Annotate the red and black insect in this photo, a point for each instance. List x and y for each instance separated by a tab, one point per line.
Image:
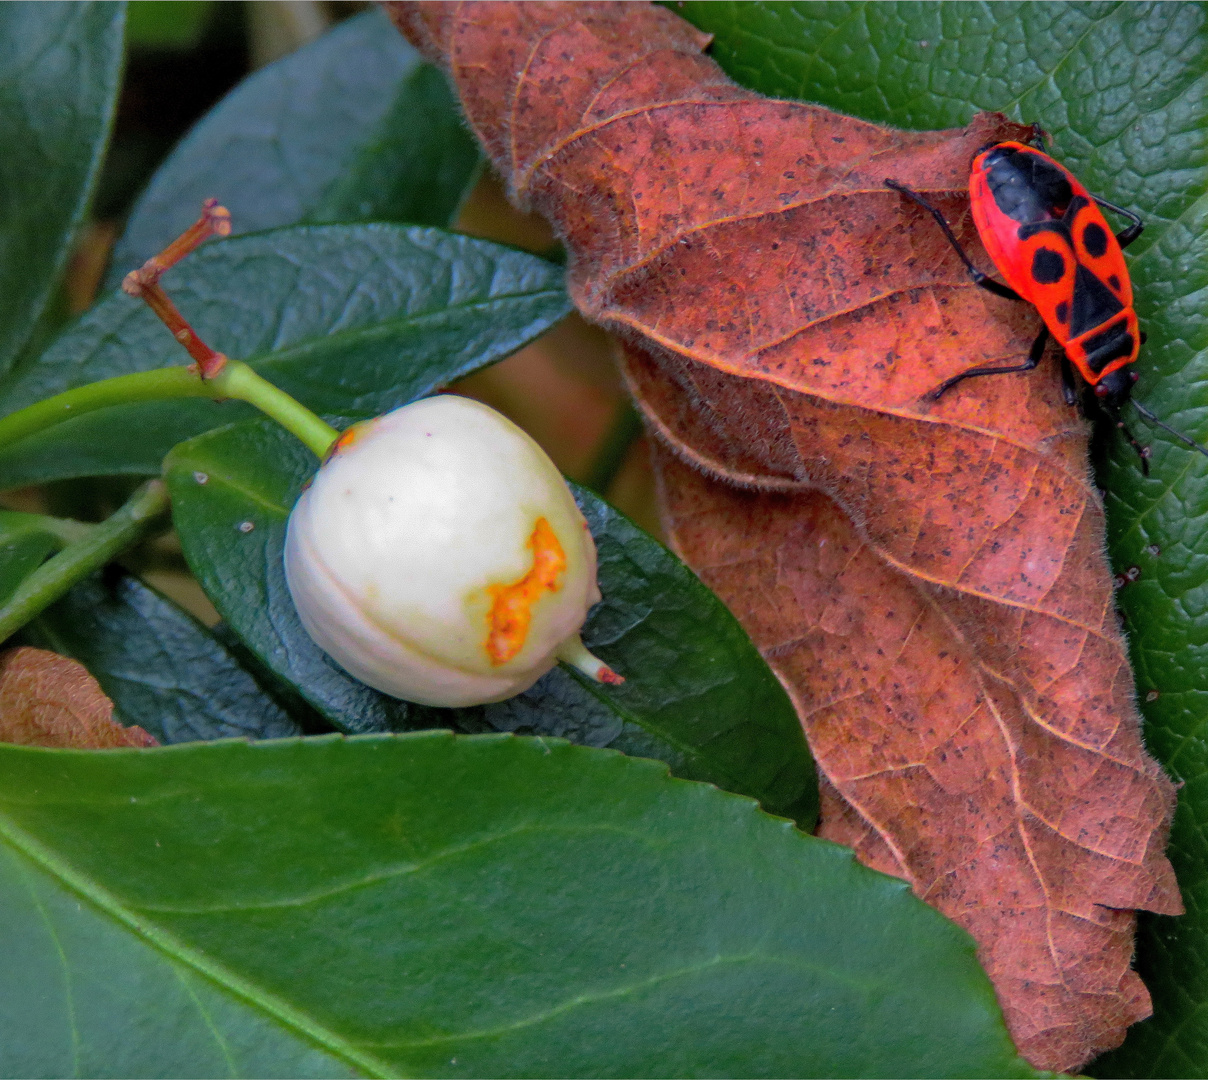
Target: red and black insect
1047	236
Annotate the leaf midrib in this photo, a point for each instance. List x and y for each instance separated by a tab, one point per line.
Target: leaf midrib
167	943
420	320
68	982
271	358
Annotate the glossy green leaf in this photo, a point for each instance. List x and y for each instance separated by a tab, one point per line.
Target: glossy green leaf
432	905
118	1008
350	319
60	65
419	165
352	127
1123	89
697	695
163	670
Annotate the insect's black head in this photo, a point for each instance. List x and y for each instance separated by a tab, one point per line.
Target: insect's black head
1116	387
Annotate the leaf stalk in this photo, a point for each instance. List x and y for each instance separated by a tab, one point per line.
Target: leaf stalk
64	530
81	557
158	385
236	380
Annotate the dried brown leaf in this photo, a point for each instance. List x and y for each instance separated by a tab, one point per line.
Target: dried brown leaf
49	700
928	578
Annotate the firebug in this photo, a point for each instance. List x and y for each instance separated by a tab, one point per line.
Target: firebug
1047	236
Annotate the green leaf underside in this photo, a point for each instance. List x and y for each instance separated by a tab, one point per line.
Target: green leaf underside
1123	89
60	65
697	695
352	320
447	906
162	668
353	127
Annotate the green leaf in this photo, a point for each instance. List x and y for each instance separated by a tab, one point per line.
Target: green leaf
1123	89
126	440
24	544
446	906
352	127
162	668
697	695
1158	526
418	167
81	995
350	319
1120	88
60	65
167	24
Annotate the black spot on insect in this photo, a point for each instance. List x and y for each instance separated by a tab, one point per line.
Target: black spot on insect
1062	311
1048	266
1094	238
1114	282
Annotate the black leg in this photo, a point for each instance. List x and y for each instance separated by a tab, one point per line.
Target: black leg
1142	451
984	280
1069	381
1034	355
1125	236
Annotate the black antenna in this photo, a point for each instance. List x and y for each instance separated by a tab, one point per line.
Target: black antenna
1166	427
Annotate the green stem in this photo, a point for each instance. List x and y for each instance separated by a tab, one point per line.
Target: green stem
80	558
64	530
173	382
235	380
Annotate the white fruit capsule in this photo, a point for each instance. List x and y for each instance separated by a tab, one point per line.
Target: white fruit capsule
439	557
